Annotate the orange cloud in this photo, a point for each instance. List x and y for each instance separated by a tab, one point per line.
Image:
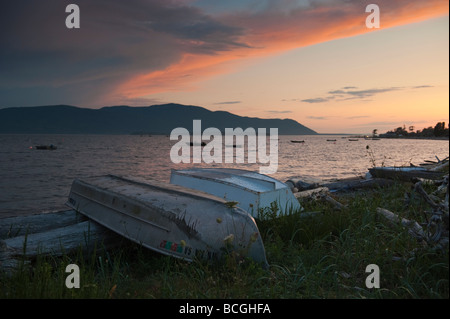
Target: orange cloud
179	76
268	33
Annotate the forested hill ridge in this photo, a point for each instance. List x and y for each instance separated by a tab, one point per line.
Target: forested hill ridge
156	119
438	131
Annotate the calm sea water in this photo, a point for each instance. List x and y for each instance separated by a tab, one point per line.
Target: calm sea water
33	181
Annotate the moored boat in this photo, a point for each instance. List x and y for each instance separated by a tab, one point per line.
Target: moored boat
197	144
169	219
46	147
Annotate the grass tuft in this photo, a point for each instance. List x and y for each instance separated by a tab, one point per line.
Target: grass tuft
322	255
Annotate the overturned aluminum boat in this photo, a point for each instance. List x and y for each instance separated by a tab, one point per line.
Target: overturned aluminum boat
252	191
168	219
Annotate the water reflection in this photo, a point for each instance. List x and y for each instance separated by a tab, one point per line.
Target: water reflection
35	180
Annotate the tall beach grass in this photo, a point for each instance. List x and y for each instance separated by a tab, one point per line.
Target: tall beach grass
323	255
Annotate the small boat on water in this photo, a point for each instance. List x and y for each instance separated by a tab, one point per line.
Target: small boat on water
251	191
331	140
353	139
234	145
297	141
169	219
46	147
197	144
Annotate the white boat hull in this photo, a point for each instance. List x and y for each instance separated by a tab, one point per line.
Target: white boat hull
168	219
253	191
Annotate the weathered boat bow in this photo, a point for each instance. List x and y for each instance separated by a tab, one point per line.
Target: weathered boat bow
168	219
252	191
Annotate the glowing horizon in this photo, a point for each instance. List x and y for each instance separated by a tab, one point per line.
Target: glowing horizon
316	63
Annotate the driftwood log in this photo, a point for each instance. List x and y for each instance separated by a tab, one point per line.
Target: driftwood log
436	232
401	174
56	234
353	184
335	203
320	193
440	166
312	192
414	229
342	185
440	210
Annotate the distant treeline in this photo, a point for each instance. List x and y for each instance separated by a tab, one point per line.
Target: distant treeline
439	130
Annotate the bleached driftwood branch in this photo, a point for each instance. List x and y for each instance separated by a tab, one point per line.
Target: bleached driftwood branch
334	202
414	229
312	192
320	193
436	232
439	210
439	167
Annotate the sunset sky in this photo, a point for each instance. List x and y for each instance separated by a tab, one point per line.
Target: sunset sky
312	61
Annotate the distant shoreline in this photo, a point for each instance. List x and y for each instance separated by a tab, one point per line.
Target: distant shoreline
318	134
443	138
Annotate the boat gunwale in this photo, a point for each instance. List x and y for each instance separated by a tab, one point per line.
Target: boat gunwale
115	209
225	182
174	188
180	190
